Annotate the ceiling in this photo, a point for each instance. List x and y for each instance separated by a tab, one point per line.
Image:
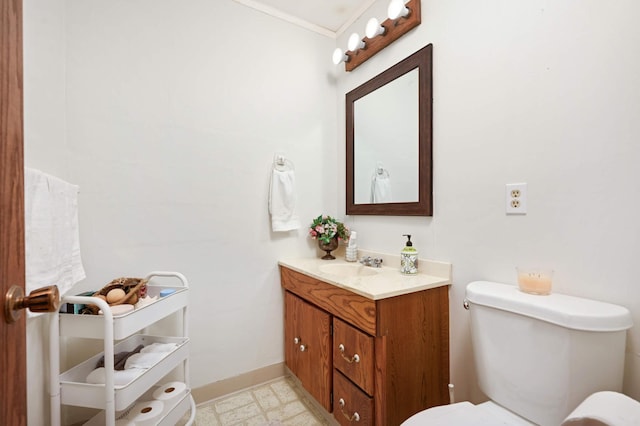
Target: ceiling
327	17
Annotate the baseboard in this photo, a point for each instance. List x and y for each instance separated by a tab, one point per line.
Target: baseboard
233	384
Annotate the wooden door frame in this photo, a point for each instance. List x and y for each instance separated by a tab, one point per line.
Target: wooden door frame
13	363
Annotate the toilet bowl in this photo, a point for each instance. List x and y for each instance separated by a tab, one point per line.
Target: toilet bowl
542	360
600	409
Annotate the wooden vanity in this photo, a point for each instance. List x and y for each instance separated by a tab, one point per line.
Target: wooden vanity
370	359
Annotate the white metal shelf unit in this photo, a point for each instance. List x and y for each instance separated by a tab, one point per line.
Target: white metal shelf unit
66	389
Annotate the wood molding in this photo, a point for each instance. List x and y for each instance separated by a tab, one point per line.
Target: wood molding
394	29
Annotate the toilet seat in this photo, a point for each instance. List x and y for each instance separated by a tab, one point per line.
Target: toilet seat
466	414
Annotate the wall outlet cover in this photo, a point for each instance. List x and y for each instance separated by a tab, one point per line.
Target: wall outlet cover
516	198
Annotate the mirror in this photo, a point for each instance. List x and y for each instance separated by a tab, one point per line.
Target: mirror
389	141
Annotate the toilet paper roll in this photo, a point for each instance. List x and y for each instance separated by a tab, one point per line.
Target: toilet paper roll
125	422
146	413
170	392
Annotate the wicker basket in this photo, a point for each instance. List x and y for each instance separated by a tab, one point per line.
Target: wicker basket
133	287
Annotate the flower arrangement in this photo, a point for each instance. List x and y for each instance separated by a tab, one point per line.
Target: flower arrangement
325	228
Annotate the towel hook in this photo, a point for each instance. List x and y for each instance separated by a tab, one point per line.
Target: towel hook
282	163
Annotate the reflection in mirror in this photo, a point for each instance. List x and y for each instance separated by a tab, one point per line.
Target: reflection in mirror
385	148
389	168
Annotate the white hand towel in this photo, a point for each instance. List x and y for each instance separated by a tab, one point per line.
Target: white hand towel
282	201
120	377
52	241
146	360
380	189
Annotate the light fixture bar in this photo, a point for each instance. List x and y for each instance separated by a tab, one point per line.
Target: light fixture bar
394	29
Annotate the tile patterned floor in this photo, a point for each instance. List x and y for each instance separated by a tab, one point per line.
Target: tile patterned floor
273	403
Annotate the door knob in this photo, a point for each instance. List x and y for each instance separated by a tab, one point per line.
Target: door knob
45	299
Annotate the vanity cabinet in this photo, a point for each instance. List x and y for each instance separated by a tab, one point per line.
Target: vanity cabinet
382	360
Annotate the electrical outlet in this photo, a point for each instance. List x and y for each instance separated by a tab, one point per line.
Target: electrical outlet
516	198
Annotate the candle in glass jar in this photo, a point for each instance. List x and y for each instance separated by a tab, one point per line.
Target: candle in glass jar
534	281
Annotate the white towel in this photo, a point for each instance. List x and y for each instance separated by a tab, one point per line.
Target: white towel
282	201
52	243
380	189
146	360
120	377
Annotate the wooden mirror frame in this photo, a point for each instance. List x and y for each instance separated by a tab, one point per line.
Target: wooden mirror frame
422	60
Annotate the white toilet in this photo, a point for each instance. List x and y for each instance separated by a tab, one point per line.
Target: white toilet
538	358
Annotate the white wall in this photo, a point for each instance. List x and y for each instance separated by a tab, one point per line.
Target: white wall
540	92
174	111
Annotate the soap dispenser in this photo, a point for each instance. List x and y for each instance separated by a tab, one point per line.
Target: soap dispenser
409	258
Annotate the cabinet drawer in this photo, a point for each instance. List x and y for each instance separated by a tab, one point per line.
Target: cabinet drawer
350	404
353	354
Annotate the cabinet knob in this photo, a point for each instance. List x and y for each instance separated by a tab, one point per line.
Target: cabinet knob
296	340
355	358
353	418
303	348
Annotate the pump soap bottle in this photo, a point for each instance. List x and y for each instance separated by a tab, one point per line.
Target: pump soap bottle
409	258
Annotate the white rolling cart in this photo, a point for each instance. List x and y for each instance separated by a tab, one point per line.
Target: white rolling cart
122	333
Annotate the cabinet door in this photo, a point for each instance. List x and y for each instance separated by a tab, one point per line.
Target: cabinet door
308	347
291	337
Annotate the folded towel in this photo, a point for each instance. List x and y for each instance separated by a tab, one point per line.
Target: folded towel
52	241
605	408
159	347
120	358
120	378
146	360
282	201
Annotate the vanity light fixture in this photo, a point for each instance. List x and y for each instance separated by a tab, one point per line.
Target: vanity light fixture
355	43
404	15
398	9
339	56
374	28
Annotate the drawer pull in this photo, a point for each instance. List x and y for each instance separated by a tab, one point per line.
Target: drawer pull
296	340
355	358
303	348
354	418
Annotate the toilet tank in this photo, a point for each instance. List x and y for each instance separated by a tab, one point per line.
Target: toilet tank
540	356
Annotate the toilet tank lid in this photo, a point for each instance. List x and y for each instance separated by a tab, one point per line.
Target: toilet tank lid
567	311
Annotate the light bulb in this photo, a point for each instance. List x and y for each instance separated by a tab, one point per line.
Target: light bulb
339	56
354	42
374	28
397	9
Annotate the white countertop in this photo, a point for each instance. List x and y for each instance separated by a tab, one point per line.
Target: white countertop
384	282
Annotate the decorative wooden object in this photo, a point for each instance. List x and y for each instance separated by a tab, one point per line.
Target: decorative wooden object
394	29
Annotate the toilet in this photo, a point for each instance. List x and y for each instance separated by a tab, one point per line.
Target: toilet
542	360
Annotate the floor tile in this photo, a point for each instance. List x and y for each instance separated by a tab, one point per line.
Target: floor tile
275	403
